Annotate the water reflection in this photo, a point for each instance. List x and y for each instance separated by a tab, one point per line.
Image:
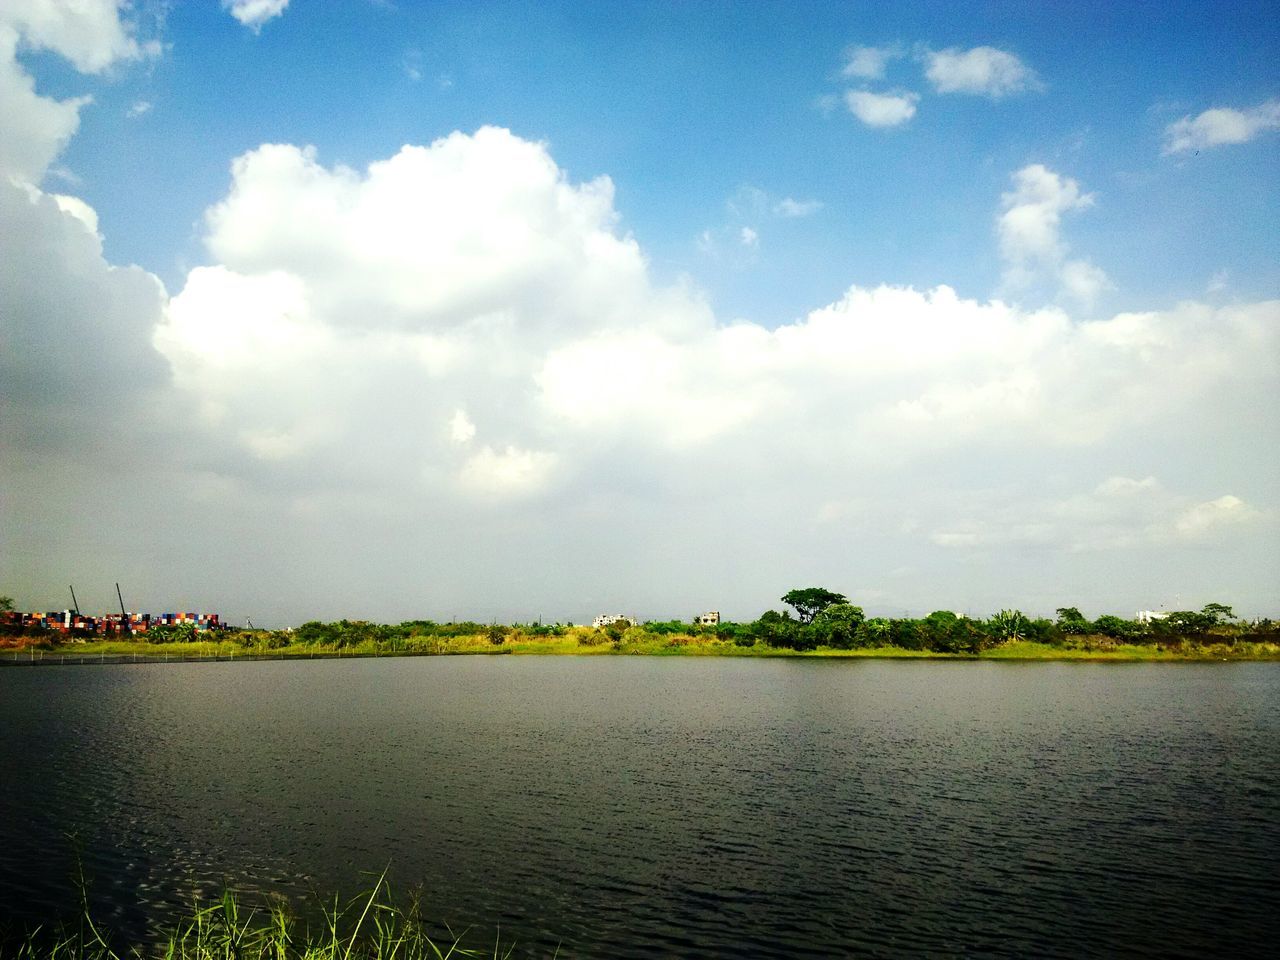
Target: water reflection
638	806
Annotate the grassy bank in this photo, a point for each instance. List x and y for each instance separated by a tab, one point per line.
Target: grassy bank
374	926
584	641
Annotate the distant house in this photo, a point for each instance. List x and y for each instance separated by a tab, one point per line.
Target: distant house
709	619
607	619
1146	616
73	622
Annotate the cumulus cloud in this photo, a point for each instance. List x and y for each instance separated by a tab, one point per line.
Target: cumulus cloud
983	71
1221	125
91	37
881	109
1029	229
88	33
869	63
254	13
459	355
472	275
77	360
1214	516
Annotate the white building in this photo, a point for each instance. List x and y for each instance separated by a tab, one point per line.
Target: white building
1146	616
605	619
709	619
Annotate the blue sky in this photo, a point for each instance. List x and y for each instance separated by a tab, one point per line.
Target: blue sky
683	105
727	205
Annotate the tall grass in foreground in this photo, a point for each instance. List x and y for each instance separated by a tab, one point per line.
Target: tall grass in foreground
374	926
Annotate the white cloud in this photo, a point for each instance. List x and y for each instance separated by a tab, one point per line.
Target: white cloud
1221	125
355	327
77	363
80	210
984	71
88	33
881	109
33	129
748	208
1029	229
254	13
138	108
91	37
506	473
1082	281
1121	513
461	428
787	207
1208	518
869	63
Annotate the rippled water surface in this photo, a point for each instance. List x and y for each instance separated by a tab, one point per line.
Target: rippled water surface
637	807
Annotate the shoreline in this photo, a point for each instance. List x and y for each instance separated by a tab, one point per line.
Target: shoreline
124	652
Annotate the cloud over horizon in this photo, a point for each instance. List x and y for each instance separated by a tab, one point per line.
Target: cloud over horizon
538	356
453	379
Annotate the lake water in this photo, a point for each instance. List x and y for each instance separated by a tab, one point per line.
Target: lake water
639	807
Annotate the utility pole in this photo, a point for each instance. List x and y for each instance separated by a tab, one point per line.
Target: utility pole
124	617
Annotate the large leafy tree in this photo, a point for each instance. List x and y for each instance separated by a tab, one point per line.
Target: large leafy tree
838	624
811	601
1219	611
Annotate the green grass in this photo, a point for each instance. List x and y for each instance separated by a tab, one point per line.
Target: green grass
584	641
373	926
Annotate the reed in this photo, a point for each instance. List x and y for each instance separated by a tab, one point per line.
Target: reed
373	926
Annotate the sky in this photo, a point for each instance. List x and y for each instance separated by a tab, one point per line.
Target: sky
493	311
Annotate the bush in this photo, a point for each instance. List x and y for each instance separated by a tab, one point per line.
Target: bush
776	629
1117	628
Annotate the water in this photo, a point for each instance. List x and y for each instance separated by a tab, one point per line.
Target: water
639	807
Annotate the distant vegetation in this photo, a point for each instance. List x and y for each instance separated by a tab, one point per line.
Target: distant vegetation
818	621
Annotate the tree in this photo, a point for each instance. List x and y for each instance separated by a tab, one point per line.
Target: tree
6	604
1184	623
497	634
1072	622
837	625
1115	627
1009	625
1219	611
776	629
811	601
876	632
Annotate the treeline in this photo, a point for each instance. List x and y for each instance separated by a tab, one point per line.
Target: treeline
814	618
826	619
